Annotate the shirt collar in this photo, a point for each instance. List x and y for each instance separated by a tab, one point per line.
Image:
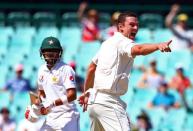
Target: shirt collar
122	36
54	67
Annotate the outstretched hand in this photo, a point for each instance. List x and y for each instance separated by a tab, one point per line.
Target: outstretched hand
175	8
165	46
83	5
83	100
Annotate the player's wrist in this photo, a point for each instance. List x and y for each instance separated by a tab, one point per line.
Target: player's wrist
52	105
88	91
48	104
158	46
64	99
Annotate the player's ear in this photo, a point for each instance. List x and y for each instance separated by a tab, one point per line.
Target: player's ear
120	27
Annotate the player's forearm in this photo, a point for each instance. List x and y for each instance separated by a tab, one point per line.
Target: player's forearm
69	97
81	9
80	14
144	49
89	81
71	94
59	101
169	18
41	95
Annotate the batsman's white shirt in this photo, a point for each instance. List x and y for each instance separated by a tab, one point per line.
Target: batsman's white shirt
114	62
55	82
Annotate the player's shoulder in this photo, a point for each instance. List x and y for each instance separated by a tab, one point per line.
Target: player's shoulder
42	68
65	67
108	42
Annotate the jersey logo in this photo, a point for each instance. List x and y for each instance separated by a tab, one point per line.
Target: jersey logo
54	79
71	78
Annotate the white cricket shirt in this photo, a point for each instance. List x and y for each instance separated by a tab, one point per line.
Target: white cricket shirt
55	82
114	62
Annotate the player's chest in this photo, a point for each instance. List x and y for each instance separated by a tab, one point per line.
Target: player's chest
54	78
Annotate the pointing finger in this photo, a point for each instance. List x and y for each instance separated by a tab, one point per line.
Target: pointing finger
169	42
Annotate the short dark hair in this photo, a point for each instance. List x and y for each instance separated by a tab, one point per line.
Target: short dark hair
180	69
122	16
4	110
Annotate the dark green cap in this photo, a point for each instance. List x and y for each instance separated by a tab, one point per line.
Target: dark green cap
51	43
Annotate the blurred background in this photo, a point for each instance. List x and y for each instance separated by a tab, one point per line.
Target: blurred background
160	93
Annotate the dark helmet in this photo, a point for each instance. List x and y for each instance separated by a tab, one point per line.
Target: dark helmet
51	43
51	47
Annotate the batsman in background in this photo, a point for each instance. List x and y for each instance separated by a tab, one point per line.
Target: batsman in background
56	89
108	75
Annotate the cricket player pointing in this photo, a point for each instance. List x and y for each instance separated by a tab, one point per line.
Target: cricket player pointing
108	75
57	89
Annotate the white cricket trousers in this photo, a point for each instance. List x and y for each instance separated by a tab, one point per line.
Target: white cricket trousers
64	124
108	113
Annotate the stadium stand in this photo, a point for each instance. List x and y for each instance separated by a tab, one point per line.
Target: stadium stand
70	19
18	19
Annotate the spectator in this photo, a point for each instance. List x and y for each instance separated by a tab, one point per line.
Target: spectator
18	84
113	28
90	31
180	82
164	99
6	124
143	122
79	79
183	38
151	77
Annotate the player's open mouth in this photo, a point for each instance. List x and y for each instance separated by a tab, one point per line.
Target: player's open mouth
133	34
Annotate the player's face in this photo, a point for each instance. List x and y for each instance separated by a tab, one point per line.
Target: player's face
19	73
162	89
51	57
130	27
182	24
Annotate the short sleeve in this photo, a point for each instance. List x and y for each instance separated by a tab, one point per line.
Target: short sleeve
69	81
126	46
95	58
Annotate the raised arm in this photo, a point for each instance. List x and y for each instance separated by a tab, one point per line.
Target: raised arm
82	9
145	49
169	18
